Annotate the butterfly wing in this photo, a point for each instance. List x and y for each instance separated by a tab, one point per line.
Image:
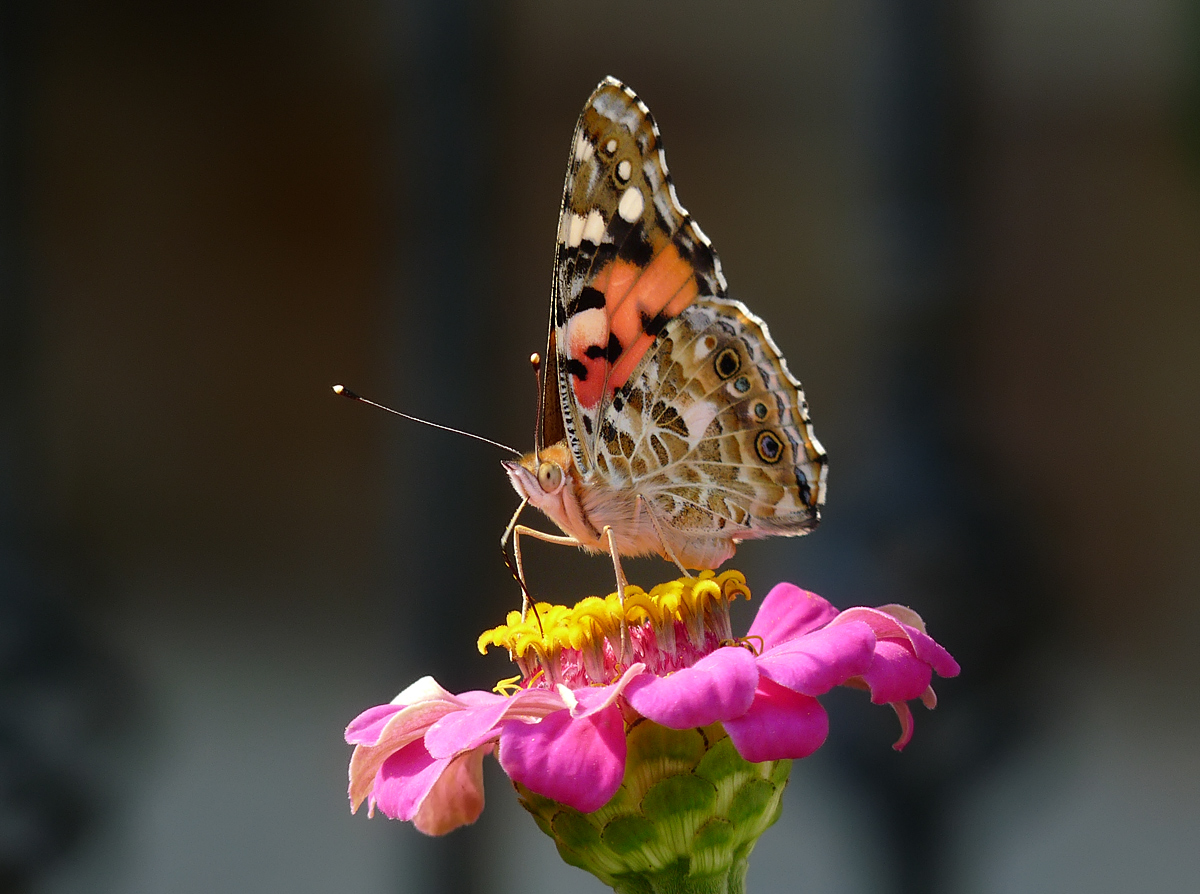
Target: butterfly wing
713	433
628	259
670	394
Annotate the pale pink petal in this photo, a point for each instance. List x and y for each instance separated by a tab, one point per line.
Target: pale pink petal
578	761
906	724
409	723
789	612
816	662
896	675
456	798
717	687
592	699
904	615
426	689
884	624
404	779
367	727
406	725
469	728
780	724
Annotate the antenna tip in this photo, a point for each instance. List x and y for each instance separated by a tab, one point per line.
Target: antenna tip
338	389
345	392
535	360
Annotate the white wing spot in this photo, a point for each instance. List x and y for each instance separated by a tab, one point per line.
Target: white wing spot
624	170
696	417
583	148
588	327
632	204
610	147
593	229
576	231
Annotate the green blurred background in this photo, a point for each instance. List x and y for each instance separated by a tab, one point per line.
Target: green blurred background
974	229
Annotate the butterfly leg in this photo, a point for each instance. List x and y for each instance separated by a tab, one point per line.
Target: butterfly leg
517	571
609	537
670	554
517	531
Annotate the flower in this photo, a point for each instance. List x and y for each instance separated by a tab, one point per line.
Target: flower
593	674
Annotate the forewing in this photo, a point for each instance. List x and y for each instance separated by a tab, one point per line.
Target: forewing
628	261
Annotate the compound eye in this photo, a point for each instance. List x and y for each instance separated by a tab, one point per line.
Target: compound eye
550	477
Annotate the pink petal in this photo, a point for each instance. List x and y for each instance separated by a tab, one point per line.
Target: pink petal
578	761
906	724
474	698
789	612
469	728
780	724
934	654
816	662
456	798
915	642
717	687
366	728
887	626
896	675
404	780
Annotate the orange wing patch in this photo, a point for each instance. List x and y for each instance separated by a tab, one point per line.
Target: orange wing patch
662	291
607	344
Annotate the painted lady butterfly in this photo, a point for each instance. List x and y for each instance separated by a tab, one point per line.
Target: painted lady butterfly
668	422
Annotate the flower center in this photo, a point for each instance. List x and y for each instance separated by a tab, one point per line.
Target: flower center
670	628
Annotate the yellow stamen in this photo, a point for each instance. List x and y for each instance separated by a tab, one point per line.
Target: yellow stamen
756	648
686	600
507	686
745	642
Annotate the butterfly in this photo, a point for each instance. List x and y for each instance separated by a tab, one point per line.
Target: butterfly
668	422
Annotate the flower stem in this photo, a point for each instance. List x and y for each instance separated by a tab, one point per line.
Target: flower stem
677	880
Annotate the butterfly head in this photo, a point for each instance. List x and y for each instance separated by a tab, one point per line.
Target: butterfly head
542	479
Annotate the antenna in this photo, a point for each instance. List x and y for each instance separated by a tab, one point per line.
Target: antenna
346	392
535	360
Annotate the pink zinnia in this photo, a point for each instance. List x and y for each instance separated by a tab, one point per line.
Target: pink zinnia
592	673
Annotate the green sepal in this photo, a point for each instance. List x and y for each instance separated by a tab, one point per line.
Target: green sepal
684	821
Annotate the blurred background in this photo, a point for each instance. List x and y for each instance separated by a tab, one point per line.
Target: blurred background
974	229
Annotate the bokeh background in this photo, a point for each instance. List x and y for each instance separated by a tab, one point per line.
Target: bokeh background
973	227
